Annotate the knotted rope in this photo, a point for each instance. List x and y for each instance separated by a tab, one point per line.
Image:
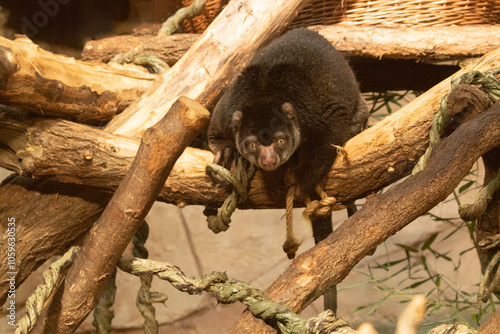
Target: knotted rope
219	220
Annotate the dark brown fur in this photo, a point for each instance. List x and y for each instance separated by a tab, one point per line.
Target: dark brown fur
298	91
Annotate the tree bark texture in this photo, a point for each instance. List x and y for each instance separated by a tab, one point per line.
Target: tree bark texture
329	262
169	48
36	205
53	85
160	147
422	43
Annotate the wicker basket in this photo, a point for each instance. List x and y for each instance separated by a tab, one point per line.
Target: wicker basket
201	22
400	12
375	12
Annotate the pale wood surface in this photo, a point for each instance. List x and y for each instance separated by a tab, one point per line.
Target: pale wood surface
54	85
425	43
398	42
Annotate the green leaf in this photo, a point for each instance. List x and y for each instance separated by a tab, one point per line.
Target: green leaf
408	248
419	283
387	265
435	309
429	241
465	187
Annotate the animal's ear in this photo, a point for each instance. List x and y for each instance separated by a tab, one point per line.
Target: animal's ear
288	109
236	120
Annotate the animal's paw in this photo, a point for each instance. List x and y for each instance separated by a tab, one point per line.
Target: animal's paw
224	153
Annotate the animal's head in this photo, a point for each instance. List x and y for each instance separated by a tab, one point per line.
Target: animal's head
266	134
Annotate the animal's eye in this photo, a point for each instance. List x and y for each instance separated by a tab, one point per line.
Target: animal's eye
281	141
252	146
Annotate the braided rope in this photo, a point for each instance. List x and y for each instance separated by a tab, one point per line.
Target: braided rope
219	220
103	312
35	302
441	118
470	212
291	244
490	280
146	297
229	291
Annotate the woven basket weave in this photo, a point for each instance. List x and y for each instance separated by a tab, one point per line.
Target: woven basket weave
375	12
201	22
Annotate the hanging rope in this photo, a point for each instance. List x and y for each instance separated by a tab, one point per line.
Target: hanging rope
470	212
35	302
291	244
490	280
146	297
439	121
219	220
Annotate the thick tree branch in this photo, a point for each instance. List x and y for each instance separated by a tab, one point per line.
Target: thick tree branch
425	43
160	147
169	48
54	85
328	263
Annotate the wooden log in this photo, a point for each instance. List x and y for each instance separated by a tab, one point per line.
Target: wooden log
53	85
422	43
216	57
63	151
330	261
169	48
160	147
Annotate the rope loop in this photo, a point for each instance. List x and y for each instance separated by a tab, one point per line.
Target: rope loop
441	118
219	220
322	207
